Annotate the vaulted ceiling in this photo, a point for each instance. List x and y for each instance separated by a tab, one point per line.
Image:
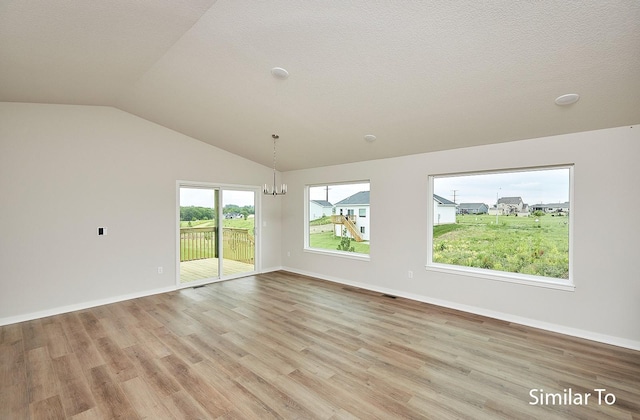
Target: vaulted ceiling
419	75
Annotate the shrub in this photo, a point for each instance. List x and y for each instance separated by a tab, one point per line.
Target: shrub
345	243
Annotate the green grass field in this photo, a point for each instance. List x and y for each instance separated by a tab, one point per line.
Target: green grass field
321	221
230	223
327	240
514	244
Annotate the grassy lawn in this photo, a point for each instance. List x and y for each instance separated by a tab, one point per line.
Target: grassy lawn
515	244
321	221
327	240
230	223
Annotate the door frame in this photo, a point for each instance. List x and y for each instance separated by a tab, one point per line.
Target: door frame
257	230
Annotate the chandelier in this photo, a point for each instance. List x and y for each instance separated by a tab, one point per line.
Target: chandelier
283	187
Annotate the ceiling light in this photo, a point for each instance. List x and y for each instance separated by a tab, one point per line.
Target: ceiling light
370	138
279	73
568	99
283	187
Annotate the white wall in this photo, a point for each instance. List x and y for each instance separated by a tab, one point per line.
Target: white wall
605	305
443	214
316	211
65	170
364	222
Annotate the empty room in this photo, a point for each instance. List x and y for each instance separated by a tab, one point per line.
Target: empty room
319	210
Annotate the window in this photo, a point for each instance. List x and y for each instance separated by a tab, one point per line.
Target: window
334	221
506	225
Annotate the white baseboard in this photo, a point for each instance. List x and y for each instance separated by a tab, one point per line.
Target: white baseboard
574	332
80	306
547	326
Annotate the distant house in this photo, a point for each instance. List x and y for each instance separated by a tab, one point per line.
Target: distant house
319	208
444	211
510	205
473	208
552	207
353	216
233	216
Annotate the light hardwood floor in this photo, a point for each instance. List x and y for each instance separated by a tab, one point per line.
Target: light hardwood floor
280	345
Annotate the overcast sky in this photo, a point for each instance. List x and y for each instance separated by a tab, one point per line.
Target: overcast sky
336	192
535	187
203	197
539	186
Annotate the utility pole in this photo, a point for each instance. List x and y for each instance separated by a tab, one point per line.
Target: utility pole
497	205
454	195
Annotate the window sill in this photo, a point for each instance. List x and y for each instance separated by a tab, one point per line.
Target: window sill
341	254
529	280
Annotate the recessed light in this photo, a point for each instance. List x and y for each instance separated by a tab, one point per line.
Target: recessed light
568	99
279	73
370	138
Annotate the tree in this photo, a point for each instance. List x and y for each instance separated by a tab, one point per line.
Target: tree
192	213
234	208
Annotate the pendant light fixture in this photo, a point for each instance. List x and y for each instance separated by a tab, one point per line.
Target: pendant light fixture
283	187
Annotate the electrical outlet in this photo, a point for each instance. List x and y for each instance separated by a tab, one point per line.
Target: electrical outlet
288	253
160	270
410	274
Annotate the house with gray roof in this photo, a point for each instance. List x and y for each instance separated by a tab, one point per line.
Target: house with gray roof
444	211
473	208
510	205
357	216
319	208
552	207
360	198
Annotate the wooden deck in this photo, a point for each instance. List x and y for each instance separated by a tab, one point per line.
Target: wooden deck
208	268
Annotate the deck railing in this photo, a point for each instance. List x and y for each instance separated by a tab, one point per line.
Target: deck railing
339	218
198	243
349	222
238	245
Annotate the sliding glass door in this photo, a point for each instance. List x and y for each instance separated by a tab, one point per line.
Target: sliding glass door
238	234
199	250
216	236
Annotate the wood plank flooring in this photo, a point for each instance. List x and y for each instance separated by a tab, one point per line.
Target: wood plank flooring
280	345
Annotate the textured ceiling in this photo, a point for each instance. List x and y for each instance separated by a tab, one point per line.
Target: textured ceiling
421	76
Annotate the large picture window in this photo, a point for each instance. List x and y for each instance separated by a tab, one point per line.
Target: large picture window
507	225
338	218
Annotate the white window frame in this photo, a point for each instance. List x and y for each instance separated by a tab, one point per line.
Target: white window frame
334	253
487	274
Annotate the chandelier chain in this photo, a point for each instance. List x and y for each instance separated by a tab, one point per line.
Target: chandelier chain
274	154
274	189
